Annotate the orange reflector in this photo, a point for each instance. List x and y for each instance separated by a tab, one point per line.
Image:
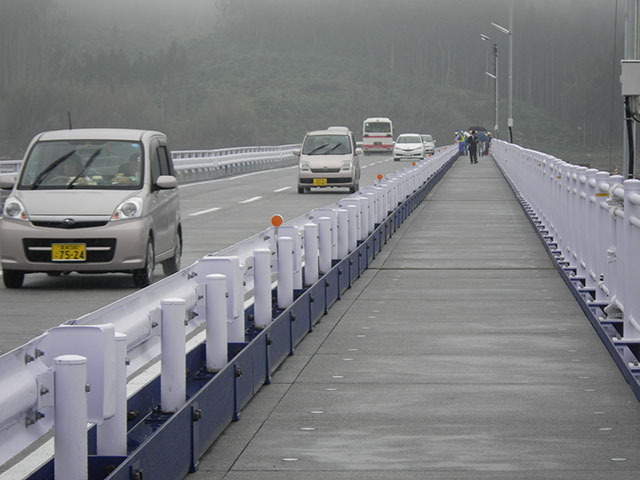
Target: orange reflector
414	164
277	220
380	177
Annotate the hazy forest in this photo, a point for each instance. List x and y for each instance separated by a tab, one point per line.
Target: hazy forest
217	73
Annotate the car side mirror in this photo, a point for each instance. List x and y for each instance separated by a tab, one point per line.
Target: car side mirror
166	182
8	181
296	152
359	151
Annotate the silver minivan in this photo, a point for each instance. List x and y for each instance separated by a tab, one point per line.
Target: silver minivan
329	158
92	201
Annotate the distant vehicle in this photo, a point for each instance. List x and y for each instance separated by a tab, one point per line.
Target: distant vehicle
377	135
429	144
92	201
409	146
329	158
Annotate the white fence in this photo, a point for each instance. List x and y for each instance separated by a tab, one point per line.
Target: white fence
27	386
592	219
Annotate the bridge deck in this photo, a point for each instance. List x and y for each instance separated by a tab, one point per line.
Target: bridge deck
460	354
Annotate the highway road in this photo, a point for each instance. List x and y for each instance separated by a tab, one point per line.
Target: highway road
215	215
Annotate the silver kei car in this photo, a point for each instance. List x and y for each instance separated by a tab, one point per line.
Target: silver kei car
92	201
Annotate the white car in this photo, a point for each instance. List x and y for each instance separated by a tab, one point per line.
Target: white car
329	158
92	201
429	144
408	146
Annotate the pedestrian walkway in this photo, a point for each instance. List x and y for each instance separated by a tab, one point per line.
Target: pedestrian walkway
460	354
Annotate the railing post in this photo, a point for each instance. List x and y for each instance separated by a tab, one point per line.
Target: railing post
70	418
343	233
324	234
112	433
353	227
217	333
293	232
285	272
173	382
631	279
263	304
310	253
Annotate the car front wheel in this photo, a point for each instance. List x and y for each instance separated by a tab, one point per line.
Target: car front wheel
12	278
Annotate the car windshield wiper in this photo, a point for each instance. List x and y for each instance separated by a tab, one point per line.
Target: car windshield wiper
39	179
84	169
333	148
318	148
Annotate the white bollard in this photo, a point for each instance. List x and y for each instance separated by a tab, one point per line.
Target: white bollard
372	211
112	433
353	227
293	232
173	381
324	235
310	253
70	418
364	217
217	349
343	233
263	305
285	272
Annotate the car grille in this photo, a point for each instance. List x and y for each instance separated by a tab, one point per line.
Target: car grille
98	249
68	226
325	170
330	181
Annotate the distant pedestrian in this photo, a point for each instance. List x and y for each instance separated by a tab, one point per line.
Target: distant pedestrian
472	145
487	144
461	143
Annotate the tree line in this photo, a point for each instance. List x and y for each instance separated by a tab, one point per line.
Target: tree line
268	70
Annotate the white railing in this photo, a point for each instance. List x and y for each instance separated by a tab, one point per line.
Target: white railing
188	297
592	219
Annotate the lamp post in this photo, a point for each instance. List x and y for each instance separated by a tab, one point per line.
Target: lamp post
509	32
494	76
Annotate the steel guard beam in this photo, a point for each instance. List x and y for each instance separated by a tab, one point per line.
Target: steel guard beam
622	354
168	446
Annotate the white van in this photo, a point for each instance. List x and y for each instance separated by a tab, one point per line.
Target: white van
329	158
92	201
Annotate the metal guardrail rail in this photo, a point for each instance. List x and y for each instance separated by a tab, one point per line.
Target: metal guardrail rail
350	232
589	221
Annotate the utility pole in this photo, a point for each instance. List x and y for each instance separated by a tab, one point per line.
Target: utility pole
510	120
496	128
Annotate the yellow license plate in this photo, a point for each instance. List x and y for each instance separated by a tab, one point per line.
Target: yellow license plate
69	252
319	182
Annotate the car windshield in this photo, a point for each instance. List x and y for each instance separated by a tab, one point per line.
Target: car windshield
427	138
409	139
326	145
377	127
95	164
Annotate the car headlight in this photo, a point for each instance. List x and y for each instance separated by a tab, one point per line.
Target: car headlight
345	165
131	208
305	166
14	209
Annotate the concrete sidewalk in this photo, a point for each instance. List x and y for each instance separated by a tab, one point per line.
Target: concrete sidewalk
460	354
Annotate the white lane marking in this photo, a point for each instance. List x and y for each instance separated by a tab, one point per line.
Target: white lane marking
364	166
202	212
227	179
249	200
282	189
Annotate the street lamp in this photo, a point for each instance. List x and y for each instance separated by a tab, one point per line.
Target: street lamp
494	76
509	31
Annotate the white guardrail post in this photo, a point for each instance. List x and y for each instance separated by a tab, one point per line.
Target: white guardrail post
173	382
217	334
263	304
631	279
71	418
285	271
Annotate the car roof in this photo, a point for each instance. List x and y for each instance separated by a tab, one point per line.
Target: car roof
98	134
409	135
331	131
